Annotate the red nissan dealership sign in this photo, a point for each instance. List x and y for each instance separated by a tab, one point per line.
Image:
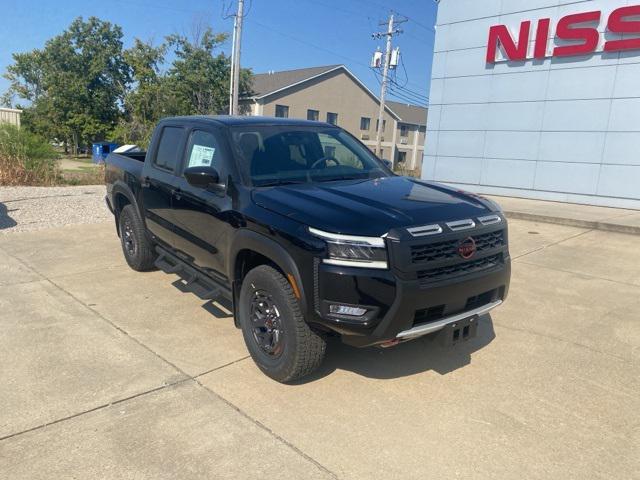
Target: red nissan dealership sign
581	28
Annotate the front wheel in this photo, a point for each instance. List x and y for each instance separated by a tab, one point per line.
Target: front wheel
279	340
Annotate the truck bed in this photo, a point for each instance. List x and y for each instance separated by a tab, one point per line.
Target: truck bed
124	165
139	156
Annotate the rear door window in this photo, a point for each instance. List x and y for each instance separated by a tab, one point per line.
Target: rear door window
169	154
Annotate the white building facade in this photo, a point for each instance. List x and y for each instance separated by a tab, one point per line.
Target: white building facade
10	115
537	99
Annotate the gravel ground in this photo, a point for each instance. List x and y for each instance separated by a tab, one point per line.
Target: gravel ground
37	208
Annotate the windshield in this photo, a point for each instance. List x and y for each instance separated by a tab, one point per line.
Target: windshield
276	155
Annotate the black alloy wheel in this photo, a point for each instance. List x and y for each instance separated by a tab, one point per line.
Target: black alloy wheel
268	328
280	341
128	238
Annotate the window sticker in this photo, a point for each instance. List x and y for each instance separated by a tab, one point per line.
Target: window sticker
201	156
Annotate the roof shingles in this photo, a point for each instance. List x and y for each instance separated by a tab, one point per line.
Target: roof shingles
409	113
267	83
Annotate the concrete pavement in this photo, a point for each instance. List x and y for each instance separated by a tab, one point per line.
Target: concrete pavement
108	373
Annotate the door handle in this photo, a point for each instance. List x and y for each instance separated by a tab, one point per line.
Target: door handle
146	181
176	193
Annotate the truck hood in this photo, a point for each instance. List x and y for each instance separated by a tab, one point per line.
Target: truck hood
370	207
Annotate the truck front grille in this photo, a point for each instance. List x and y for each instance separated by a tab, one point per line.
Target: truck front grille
449	249
452	271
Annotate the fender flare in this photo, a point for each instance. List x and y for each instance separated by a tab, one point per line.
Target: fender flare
121	188
259	243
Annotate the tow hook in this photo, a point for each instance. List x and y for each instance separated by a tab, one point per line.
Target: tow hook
390	343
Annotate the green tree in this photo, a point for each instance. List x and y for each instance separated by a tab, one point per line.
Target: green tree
195	83
83	86
76	84
145	102
199	77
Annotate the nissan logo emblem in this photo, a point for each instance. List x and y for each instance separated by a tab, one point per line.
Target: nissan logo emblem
467	248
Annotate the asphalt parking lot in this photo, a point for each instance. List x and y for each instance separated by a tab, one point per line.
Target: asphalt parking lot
108	373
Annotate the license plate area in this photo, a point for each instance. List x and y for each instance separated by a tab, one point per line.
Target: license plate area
459	331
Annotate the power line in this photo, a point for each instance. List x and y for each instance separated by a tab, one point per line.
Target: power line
422	25
274	30
336	9
155	6
407	99
388	7
406	75
422	102
408	91
404	87
415	37
414	97
226	9
305	42
317	47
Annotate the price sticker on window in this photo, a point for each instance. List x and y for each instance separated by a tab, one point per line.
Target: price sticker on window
201	156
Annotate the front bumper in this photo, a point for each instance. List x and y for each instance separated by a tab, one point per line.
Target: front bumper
401	309
436	326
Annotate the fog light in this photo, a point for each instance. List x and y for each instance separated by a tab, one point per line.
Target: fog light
345	310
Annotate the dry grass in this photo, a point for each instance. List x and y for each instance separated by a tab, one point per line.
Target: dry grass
26	159
17	171
91	175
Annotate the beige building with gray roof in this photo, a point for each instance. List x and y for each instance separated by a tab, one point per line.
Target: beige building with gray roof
335	95
10	115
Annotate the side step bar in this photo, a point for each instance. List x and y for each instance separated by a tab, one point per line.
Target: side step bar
205	287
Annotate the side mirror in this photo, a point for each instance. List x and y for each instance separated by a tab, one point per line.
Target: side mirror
202	177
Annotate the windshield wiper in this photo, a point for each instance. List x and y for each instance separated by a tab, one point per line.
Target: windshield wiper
343	177
274	183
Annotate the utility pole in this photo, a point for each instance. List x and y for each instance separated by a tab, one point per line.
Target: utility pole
391	31
235	60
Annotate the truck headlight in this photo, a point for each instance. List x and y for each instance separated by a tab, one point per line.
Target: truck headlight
353	251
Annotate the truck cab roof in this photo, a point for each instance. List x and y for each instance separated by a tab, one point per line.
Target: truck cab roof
240	120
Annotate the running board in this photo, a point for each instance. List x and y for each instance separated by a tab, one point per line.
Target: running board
196	282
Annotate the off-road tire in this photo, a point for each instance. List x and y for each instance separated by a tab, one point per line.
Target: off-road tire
303	349
138	250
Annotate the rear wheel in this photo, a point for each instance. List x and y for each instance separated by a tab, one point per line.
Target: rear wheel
138	250
279	340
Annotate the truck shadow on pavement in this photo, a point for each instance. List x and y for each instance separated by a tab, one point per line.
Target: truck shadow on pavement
5	220
403	360
210	306
406	359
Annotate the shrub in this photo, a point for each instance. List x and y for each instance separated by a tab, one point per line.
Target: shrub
401	169
26	158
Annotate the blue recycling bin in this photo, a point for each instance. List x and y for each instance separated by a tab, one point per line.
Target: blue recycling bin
100	150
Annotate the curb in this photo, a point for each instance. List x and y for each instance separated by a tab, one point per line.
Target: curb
572	222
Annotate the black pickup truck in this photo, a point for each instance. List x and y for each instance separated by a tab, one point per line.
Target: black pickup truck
306	234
